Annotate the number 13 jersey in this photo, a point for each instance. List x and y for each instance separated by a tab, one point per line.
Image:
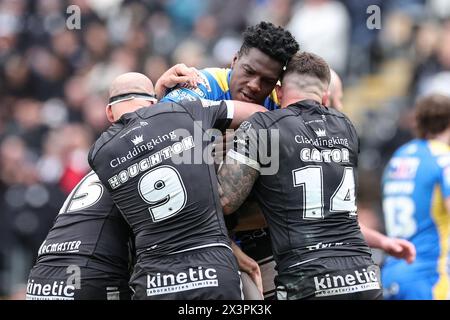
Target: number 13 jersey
154	163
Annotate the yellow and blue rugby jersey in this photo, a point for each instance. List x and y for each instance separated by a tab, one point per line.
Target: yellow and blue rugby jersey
215	86
416	183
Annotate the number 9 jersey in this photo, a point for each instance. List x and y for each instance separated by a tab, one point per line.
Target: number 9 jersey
155	164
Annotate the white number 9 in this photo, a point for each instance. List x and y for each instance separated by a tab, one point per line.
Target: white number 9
164	190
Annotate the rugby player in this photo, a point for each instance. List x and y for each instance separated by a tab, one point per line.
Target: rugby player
148	160
317	244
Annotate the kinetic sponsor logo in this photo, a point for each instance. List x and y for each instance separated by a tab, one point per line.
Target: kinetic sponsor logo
182	281
68	246
58	290
346	283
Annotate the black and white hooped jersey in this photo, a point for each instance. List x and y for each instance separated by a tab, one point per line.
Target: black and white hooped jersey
157	164
88	231
307	160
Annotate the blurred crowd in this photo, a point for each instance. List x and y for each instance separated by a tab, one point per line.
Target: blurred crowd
53	80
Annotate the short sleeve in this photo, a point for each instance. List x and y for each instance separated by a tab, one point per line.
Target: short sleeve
251	141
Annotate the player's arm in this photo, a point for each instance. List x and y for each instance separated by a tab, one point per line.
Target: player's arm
238	173
235	183
249	266
399	248
222	114
242	111
178	74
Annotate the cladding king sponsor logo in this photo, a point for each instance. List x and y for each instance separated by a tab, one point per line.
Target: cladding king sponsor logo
320	132
194	278
137	139
319	142
344	283
140	146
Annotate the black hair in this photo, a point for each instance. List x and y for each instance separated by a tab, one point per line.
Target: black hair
276	42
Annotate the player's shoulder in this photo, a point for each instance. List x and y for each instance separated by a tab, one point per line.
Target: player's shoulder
440	152
332	112
438	148
411	147
104	139
215	78
158	108
216	73
268	119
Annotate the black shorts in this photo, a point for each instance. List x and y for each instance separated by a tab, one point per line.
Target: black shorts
75	283
349	278
201	274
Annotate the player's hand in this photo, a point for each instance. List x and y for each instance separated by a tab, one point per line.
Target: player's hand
179	74
249	266
400	248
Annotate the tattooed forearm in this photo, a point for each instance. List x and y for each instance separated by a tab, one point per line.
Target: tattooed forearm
235	183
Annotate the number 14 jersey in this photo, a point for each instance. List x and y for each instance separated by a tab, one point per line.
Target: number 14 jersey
306	187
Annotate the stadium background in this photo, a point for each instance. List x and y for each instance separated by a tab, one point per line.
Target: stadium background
53	81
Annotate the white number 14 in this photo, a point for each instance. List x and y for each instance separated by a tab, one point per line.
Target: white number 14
310	179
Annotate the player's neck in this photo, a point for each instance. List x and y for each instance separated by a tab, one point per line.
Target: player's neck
128	107
443	137
294	98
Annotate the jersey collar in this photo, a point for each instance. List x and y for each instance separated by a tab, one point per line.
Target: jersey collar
306	104
126	118
228	80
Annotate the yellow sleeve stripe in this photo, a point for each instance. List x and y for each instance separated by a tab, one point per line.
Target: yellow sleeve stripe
220	75
441	218
273	97
438	148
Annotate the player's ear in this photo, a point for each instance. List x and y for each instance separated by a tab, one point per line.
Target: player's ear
278	91
235	59
109	113
326	98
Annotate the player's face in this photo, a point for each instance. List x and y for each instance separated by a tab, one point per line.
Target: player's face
254	76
